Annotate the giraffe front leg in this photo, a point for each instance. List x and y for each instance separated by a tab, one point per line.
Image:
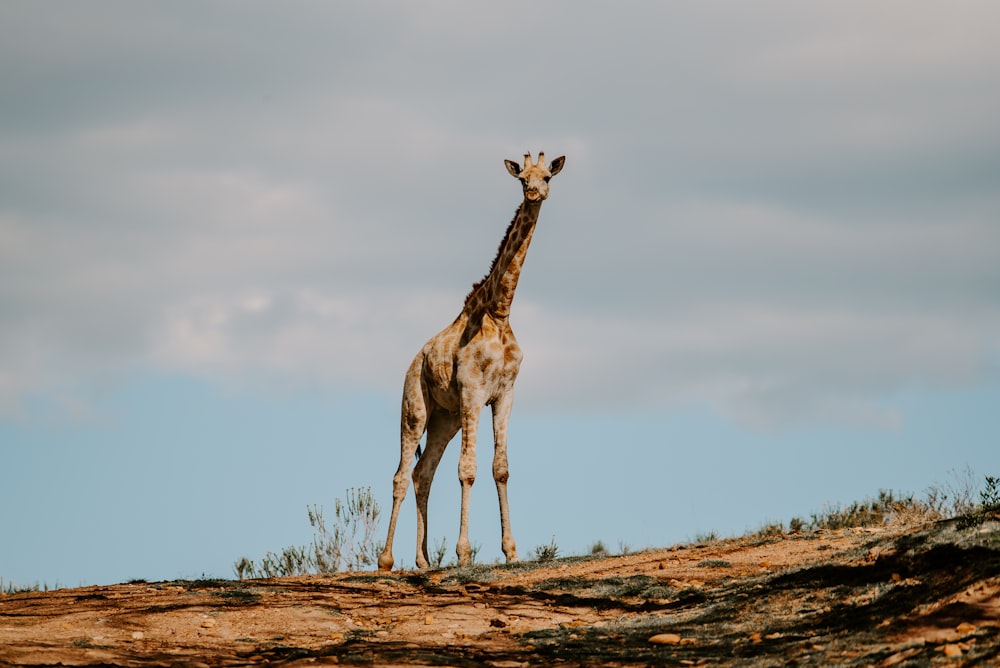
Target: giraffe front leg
467	476
501	414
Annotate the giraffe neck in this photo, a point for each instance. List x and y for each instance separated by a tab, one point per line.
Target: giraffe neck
495	292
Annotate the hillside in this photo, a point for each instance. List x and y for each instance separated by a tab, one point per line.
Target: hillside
889	596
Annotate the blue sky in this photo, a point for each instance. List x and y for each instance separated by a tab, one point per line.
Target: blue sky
767	279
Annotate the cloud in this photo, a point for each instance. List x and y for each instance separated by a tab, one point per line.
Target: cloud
786	212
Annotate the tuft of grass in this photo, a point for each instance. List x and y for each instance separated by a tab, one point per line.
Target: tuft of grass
706	538
989	505
597	549
548	552
770	530
11	588
440	550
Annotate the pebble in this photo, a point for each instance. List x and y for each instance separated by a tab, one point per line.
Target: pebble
428	620
965	628
208	624
138	635
666	639
952	651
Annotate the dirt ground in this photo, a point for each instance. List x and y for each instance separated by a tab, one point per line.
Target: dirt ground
874	597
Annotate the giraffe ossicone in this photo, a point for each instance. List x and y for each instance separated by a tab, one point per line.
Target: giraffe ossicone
470	364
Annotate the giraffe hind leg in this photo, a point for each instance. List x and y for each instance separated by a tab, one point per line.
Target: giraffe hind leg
412	424
441	428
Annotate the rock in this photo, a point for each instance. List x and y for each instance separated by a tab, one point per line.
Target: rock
952	651
428	620
900	657
208	624
138	635
966	629
666	639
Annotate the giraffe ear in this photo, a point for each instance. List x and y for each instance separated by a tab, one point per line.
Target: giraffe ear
556	166
513	168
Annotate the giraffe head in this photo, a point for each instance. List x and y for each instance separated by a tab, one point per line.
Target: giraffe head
535	177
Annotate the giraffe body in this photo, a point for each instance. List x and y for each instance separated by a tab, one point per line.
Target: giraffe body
471	363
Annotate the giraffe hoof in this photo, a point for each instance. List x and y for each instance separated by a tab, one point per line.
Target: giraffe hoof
385	562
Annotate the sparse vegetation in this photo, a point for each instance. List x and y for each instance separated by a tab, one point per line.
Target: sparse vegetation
770	530
989	504
870	512
597	549
548	552
437	555
350	540
11	588
706	538
953	499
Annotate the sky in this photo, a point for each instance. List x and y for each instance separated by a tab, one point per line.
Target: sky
767	280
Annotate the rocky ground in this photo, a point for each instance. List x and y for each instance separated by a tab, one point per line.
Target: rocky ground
874	597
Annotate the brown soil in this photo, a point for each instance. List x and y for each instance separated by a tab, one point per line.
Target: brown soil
883	597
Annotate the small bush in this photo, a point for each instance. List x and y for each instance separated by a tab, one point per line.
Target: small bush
989	503
771	530
871	512
548	552
989	497
706	538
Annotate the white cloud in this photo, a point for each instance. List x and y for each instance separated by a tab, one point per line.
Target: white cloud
790	221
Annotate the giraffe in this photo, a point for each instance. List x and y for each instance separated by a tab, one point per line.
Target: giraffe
470	364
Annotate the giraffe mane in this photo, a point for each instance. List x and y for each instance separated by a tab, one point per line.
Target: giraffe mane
503	242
